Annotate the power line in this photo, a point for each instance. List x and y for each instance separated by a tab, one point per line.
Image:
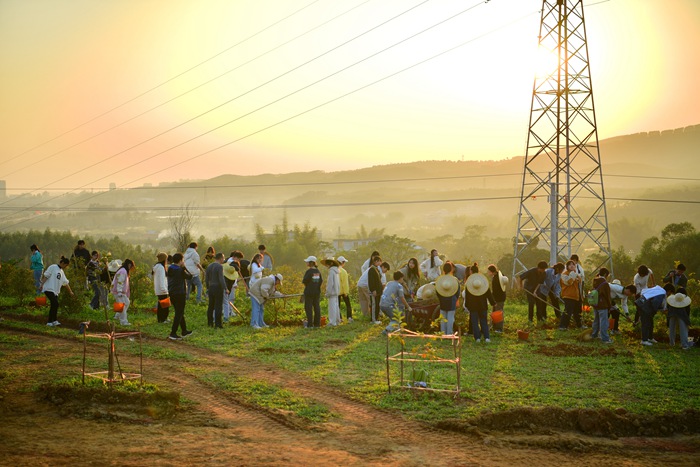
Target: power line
266	105
231	100
161	84
322	205
50	156
338	182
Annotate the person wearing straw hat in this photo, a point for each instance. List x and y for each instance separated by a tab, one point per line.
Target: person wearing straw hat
332	291
312	281
477	297
676	305
499	283
231	276
447	290
344	288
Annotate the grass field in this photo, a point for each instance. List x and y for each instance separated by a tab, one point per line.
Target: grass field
551	369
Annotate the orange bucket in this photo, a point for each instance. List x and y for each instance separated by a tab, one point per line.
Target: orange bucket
523	335
497	317
611	323
40	301
165	303
323	320
118	307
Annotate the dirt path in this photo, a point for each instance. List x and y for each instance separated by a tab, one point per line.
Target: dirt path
217	429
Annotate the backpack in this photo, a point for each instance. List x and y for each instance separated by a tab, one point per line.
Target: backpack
593	297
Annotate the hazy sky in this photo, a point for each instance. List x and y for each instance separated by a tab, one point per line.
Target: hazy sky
64	62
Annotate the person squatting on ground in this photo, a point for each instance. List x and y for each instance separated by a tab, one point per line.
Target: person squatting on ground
530	281
477	297
121	290
178	275
37	266
411	277
332	291
601	307
448	290
499	283
393	298
216	287
570	293
160	287
53	279
312	281
194	267
344	288
649	302
262	291
678	306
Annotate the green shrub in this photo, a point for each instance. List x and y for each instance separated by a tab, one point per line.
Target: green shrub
16	282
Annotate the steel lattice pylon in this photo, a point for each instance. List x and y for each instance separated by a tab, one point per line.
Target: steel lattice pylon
562	201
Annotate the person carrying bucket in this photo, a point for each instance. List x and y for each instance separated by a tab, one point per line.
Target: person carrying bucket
499	283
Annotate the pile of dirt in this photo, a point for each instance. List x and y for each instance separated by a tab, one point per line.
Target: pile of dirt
569	350
592	422
111	404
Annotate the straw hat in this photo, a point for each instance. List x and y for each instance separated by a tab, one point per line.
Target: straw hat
446	285
477	284
503	280
330	262
230	271
114	265
678	300
310	259
427	291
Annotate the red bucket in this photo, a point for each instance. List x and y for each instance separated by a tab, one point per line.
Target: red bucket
523	335
118	307
497	317
611	323
40	301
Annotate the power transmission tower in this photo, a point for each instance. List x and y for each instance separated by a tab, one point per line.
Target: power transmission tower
562	201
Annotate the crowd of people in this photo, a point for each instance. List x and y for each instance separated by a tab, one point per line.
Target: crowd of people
441	284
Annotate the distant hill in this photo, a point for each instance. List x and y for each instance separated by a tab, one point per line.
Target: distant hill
233	204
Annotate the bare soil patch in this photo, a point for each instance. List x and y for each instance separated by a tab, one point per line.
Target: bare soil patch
41	427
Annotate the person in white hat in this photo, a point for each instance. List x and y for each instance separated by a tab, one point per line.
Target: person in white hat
332	291
260	292
447	289
344	288
312	293
499	282
477	297
678	306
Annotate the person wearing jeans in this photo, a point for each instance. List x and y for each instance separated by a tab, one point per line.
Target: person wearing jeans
601	309
194	267
37	267
677	305
649	302
477	297
393	299
570	292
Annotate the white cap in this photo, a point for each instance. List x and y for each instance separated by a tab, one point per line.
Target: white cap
310	258
279	277
341	259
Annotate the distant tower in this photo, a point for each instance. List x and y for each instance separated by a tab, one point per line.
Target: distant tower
562	201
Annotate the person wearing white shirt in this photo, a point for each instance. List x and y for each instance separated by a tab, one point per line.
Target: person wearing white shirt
51	282
194	267
649	302
431	267
618	291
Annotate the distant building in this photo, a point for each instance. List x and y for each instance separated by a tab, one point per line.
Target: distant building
348	244
112	186
3	189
